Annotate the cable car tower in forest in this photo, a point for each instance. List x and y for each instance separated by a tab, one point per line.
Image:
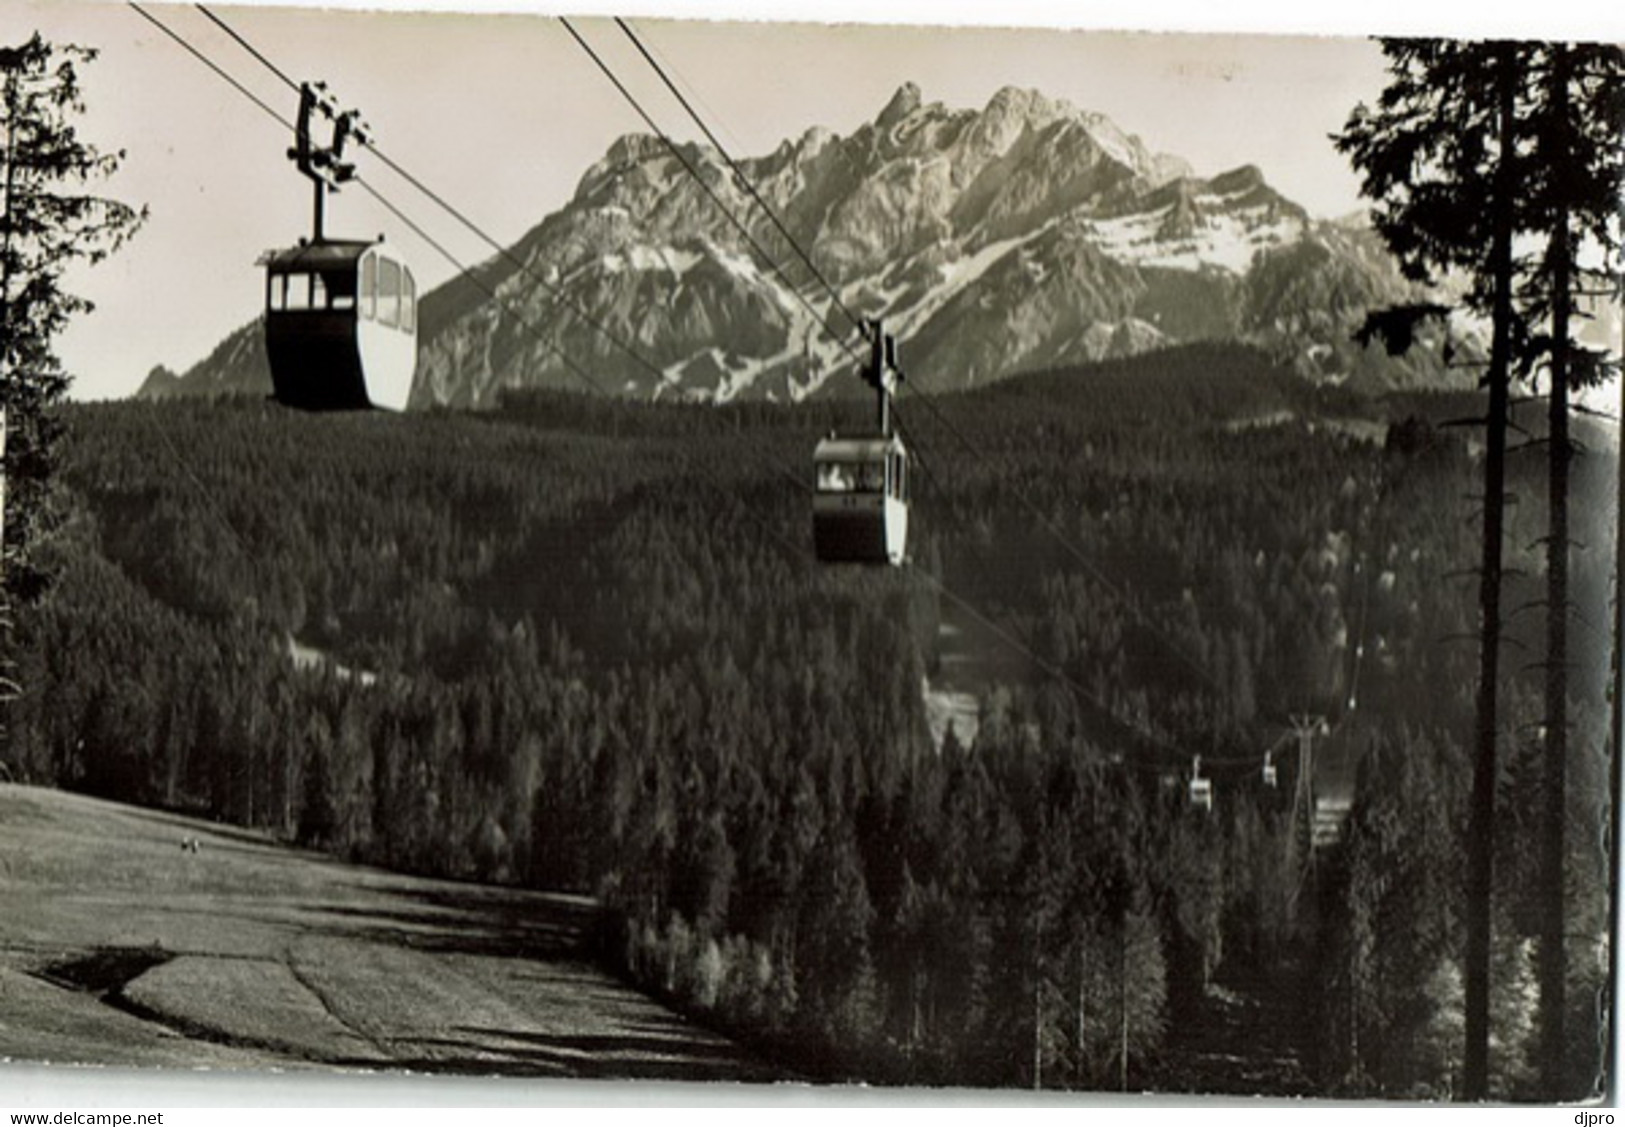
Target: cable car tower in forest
860	504
340	314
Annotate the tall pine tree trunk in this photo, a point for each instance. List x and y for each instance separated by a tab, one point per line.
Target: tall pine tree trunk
1553	966
1481	813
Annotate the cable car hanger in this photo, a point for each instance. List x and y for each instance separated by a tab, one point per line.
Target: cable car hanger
324	165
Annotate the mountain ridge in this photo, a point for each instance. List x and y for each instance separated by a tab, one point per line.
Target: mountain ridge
1028	233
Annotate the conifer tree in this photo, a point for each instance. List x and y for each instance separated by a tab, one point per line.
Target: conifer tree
50	219
1576	121
1439	155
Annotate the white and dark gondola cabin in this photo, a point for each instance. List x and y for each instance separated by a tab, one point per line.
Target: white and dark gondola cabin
1201	794
340	326
1201	787
860	500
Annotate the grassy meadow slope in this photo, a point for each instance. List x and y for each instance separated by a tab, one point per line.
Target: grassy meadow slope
120	946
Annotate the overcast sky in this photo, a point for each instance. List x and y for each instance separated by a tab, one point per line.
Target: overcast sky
502	113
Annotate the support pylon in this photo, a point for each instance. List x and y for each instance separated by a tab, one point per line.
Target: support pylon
1301	829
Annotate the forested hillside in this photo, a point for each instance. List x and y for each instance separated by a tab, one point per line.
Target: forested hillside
583	644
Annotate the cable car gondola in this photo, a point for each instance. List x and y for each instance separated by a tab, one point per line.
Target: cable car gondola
340	314
1201	787
860	502
340	326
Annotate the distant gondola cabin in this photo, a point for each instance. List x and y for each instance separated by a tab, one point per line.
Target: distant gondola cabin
1201	793
340	326
860	503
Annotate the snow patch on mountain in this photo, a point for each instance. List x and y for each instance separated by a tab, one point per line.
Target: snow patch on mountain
1227	240
957	276
663	258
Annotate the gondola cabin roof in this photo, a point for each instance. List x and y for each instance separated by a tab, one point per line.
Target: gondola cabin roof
329	254
871	449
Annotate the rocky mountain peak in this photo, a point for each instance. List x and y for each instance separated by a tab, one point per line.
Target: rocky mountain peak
903	103
160	382
1246	178
1027	106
